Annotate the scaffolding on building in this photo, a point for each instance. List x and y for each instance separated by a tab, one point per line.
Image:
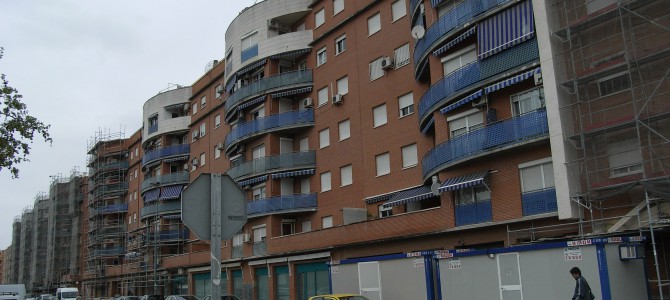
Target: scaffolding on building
16	250
613	74
38	261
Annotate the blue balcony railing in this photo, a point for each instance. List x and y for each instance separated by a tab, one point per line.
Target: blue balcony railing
539	202
302	159
161	207
165	152
281	203
165	179
270	123
412	6
111	166
108	189
249	53
509	132
123	207
153	127
476	74
257	88
473	213
170	235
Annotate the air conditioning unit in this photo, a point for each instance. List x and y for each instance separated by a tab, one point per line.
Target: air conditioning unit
479	102
219	146
195	162
387	63
337	99
538	78
307	102
246	238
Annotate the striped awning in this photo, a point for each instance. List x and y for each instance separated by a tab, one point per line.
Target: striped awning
253	180
291	53
292	92
151	195
292	173
458	103
511	81
430	124
455	41
173	216
412	195
506	29
251	102
252	66
178	158
171	192
379	198
464	181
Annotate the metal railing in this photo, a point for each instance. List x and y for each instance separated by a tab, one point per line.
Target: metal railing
123	207
270	123
165	179
160	208
539	202
260	248
248	53
267	164
473	213
281	203
174	150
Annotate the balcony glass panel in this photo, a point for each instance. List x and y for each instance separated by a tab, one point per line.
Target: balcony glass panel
100	189
273	163
473	213
178	177
454	82
153	127
170	235
281	203
249	53
539	202
512	131
160	208
174	150
260	248
123	207
269	123
237	252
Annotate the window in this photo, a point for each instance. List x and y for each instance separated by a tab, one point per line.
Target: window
322	96
379	115
287	227
218	91
398	9
343	85
340	44
406	104
409	156
258	112
203	129
338	6
319	18
374	24
238	239
345	132
217	121
306	226
385	211
304	144
135	217
203	101
137	151
624	158
135	173
217	152
457	60
401	56
325	182
613	84
527	101
249	40
324	138
472	195
194	108
376	70
259	234
346	175
202	159
321	56
130	219
258	192
596	5
463	123
305	186
383	164
327	222
536	175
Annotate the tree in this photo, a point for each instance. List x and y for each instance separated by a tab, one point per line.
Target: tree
17	129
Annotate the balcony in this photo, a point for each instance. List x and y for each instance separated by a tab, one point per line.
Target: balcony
166	152
473	213
539	202
475	75
110	209
497	136
280	204
284	161
276	82
115	166
260	248
169	235
107	252
236	252
109	189
153	127
160	208
287	120
167	179
248	53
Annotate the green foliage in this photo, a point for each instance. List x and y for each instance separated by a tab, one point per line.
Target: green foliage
17	128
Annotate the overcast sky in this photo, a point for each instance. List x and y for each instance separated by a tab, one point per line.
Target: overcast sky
87	67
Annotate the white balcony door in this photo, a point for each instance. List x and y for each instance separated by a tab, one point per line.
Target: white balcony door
287	186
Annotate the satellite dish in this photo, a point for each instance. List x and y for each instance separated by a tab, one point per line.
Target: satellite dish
418	32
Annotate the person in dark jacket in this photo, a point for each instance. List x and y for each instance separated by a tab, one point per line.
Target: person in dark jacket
582	288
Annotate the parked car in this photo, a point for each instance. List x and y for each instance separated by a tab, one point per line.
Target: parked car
129	298
223	297
339	297
152	297
181	297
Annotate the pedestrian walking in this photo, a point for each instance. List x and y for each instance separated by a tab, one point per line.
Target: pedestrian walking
582	288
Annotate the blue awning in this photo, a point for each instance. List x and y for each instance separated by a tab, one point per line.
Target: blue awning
511	81
252	102
455	41
430	124
464	181
151	195
253	180
292	173
252	66
171	192
292	92
414	194
506	29
379	198
290	53
458	103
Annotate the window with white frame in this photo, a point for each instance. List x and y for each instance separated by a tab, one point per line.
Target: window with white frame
203	129
340	44
344	130
321	57
383	164
346	176
324	138
338	6
401	56
374	24
304	144
322	96
259	234
306	226
238	240
258	152
385	211
287	227
406	104
376	70
217	121
217	152
398	9
135	217
613	84
258	112
457	60
202	161
379	115
625	158
195	134
249	40
130	220
203	101
463	123
258	192
137	151
527	101
319	18
472	195
536	175
218	91
325	182
135	173
327	222
305	186
343	85
409	156
194	108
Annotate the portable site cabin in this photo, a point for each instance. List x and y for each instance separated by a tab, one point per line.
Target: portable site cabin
12	292
613	267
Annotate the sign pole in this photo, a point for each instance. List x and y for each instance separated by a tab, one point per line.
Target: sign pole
215	239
